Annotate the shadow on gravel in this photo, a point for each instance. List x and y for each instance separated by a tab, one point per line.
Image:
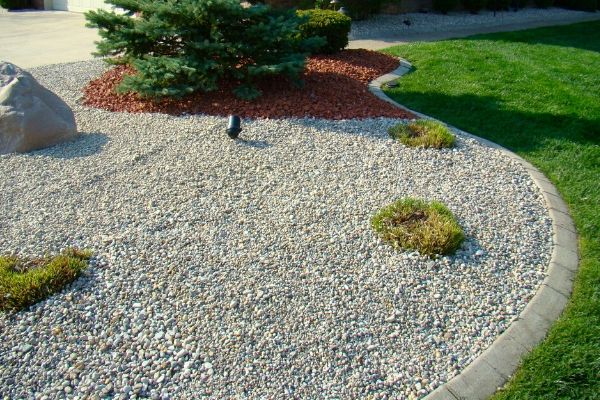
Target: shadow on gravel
84	145
366	127
257	144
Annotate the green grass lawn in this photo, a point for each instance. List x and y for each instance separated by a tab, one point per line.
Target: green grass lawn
536	92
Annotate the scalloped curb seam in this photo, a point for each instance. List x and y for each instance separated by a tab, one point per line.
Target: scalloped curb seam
492	369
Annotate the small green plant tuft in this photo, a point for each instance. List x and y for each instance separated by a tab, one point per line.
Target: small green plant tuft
414	224
423	133
25	282
330	25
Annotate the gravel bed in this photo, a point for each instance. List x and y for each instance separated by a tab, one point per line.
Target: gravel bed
392	25
248	269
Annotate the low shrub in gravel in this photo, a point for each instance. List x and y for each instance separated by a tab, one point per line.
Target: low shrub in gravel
423	133
414	224
25	282
181	47
330	25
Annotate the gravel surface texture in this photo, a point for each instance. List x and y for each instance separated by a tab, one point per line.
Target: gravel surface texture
248	269
335	87
392	25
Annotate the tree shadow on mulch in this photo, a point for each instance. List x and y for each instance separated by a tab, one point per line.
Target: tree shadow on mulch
333	87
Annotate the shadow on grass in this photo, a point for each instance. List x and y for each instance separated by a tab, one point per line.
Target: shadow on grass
487	117
552	36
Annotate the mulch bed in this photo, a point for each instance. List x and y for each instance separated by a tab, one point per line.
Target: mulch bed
335	87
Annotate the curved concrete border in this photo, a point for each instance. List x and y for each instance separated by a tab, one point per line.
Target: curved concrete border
491	370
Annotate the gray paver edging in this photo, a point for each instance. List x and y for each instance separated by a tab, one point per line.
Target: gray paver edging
493	368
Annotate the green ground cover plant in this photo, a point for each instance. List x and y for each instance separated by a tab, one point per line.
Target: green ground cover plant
536	92
25	282
414	224
423	133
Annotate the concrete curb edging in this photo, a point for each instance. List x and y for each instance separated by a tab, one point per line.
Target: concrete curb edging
492	369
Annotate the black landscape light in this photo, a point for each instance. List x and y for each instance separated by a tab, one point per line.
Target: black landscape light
334	3
234	126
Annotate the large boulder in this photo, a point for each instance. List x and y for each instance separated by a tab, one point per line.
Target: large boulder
31	116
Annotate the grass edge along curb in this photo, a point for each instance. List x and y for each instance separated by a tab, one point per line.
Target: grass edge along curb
22	286
414	224
423	133
481	378
532	123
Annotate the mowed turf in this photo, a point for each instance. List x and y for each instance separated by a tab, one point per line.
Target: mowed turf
536	92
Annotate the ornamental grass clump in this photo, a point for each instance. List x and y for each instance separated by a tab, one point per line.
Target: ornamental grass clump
25	282
423	133
184	46
412	224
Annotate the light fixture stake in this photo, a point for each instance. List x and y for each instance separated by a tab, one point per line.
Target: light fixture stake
234	126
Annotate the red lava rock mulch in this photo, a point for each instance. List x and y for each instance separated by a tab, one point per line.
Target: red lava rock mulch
335	87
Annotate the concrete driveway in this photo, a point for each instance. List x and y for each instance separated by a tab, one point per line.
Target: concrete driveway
33	38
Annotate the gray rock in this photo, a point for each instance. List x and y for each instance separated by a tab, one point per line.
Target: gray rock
26	348
31	116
